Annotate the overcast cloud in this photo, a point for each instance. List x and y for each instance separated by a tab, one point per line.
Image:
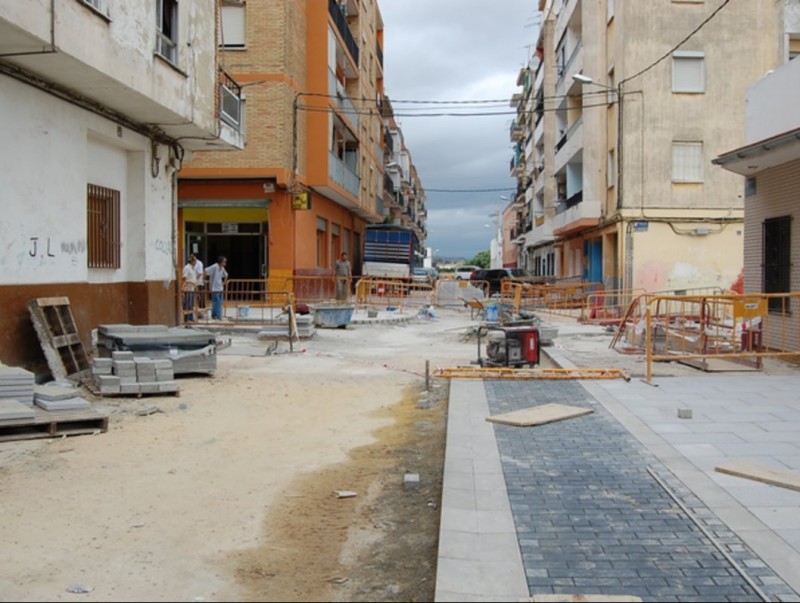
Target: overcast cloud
445	50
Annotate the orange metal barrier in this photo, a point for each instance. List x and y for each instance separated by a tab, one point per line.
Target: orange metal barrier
393	293
245	301
608	307
699	329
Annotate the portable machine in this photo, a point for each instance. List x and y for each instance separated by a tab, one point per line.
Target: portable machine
509	345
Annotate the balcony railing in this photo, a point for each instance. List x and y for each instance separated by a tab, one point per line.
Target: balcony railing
343	175
574	199
230	100
344	30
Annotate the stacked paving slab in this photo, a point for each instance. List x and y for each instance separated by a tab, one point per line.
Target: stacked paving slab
54	397
128	374
188	350
16	384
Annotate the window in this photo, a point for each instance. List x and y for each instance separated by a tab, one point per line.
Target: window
609	10
322	249
167	25
611	169
233	25
687	162
777	259
750	188
103	227
688	72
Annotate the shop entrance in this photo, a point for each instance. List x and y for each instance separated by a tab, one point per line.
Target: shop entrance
243	243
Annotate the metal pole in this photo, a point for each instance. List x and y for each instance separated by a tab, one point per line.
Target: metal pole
427	375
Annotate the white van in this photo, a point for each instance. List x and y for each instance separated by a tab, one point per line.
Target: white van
462	272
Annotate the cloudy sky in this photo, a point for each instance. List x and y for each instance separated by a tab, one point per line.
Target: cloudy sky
458	50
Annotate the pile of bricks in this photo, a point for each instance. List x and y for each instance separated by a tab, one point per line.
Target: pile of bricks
127	374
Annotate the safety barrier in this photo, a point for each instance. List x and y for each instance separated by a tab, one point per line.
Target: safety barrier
561	298
608	307
700	330
244	301
638	307
397	293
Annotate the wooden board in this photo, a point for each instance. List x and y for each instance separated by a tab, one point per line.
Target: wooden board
766	475
54	424
539	415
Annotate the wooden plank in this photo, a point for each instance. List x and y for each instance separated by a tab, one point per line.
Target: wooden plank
539	415
766	475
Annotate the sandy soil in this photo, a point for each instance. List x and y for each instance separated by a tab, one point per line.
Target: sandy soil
229	493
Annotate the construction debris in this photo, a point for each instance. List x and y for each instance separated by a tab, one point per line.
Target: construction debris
539	415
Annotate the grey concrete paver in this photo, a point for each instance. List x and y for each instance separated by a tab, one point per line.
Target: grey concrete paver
577	539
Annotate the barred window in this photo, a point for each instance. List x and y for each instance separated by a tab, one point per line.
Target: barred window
687	162
103	227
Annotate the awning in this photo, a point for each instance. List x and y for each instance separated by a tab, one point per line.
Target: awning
759	156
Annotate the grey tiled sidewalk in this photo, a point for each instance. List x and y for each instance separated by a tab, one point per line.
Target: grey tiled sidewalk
591	519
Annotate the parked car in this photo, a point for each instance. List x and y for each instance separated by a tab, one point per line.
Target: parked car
463	272
427	276
495	276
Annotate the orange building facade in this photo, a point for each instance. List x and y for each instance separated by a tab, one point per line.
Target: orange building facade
311	174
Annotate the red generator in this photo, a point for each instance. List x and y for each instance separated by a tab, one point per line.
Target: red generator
509	345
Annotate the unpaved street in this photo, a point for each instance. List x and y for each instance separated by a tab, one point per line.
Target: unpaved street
229	492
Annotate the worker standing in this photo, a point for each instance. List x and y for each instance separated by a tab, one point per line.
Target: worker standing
217	274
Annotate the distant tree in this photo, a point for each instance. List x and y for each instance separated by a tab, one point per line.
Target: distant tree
482	259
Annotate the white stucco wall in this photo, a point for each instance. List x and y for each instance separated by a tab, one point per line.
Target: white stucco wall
51	150
772	103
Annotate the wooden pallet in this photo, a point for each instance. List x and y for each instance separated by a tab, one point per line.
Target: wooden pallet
54	424
92	387
61	343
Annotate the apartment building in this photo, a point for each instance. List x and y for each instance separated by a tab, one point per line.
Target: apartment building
100	102
312	173
617	124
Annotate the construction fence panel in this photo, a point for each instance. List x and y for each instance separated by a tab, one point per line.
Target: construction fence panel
392	293
608	307
700	330
244	301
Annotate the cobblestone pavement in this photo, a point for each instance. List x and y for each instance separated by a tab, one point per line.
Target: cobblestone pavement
597	513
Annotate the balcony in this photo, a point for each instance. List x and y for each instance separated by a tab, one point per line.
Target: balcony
343	175
579	216
343	103
340	20
143	77
517	131
570	144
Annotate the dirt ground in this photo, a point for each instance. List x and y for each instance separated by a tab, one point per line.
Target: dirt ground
230	491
